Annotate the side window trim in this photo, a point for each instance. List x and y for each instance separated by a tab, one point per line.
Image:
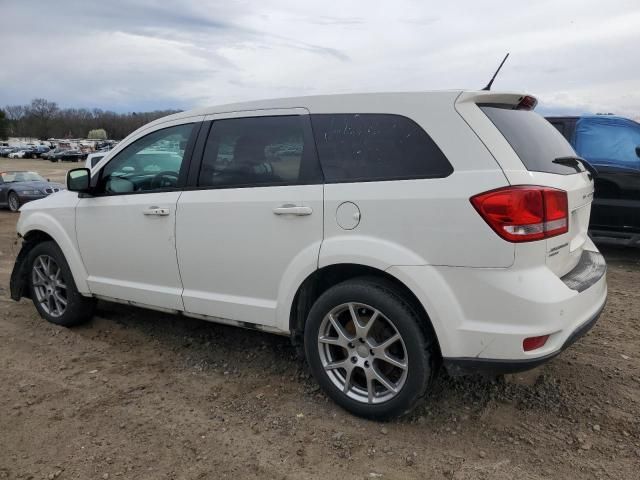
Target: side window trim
184	166
207	127
197	154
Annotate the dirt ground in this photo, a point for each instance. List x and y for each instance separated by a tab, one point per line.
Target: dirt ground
141	395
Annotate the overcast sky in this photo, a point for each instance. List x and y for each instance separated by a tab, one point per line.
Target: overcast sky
133	55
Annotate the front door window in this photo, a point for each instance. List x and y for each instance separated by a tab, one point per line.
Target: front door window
151	163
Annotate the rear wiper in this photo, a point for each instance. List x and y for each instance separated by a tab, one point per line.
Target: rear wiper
575	162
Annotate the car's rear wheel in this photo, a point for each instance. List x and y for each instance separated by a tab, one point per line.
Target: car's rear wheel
14	201
367	349
53	289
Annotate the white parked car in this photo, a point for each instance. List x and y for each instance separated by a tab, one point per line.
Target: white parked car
387	234
18	154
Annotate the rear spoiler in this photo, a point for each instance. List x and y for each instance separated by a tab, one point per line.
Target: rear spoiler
514	101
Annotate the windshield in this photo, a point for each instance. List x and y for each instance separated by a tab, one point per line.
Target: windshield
533	138
10	177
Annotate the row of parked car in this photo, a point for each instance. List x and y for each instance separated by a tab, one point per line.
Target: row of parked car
46	153
29	151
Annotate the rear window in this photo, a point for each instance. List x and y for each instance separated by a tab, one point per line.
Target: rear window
533	138
376	147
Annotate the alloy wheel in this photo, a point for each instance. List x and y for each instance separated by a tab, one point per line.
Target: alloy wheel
362	353
48	285
14	202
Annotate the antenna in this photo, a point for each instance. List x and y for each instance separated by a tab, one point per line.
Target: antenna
488	87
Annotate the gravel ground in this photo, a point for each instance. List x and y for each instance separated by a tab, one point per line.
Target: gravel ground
143	395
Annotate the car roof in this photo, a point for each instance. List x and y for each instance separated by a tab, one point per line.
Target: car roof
383	102
312	102
329	103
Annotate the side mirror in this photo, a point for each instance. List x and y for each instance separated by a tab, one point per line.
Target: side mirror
638	150
78	180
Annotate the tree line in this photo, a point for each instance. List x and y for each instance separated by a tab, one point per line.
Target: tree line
43	119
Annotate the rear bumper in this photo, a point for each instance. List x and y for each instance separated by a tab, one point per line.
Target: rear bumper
486	366
481	315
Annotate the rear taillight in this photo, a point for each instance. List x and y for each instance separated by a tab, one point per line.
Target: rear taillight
524	213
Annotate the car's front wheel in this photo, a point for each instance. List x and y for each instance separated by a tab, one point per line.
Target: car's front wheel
368	350
14	201
53	289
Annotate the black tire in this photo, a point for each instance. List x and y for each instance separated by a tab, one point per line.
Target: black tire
79	309
13	201
418	342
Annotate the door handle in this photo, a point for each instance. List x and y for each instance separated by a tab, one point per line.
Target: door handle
158	211
289	209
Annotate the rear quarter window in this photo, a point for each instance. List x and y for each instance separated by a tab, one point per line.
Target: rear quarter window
533	138
376	147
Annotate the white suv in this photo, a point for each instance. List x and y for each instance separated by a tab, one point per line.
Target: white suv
385	233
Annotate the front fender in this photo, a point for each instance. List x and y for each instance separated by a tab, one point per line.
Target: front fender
57	227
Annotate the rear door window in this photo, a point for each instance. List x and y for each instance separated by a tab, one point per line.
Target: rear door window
376	147
533	138
259	151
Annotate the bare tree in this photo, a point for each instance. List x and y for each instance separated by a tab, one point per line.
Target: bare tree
43	119
4	124
15	115
40	114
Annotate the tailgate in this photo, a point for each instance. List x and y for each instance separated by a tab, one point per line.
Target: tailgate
563	252
530	151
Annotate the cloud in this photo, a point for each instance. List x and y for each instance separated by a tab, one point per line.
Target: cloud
144	54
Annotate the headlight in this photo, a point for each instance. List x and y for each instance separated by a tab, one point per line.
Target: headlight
30	192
